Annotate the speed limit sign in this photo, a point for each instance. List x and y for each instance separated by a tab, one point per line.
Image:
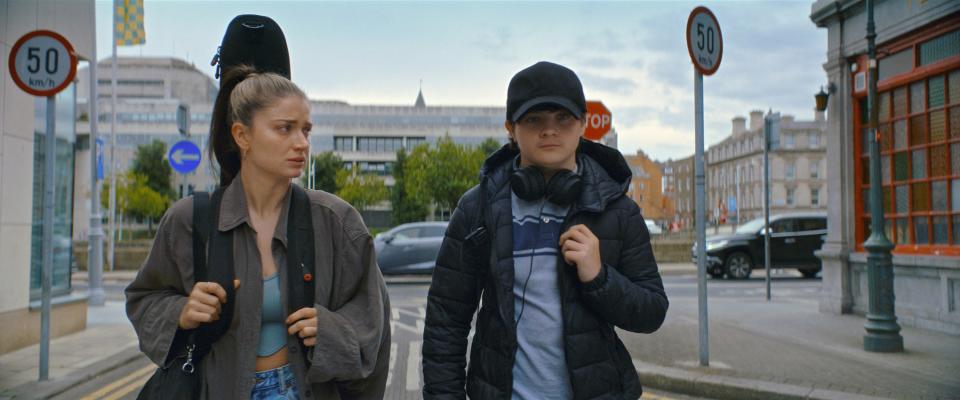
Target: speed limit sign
42	63
704	41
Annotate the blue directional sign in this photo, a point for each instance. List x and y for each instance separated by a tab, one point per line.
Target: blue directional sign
100	144
184	156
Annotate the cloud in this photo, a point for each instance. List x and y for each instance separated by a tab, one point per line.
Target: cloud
496	43
615	85
605	41
597	62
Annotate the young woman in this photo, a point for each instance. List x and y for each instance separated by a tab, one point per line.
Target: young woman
259	136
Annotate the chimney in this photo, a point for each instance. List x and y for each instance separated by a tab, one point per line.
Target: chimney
756	120
739	125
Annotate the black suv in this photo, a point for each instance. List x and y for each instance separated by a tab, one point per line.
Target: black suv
794	239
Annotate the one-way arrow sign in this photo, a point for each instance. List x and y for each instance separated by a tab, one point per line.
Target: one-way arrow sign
184	156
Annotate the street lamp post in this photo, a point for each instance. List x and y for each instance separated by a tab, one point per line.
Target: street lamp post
883	332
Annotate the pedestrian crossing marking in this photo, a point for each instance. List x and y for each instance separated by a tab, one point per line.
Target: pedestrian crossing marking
393	361
413	366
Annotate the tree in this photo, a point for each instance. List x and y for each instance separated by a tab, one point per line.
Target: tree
488	146
361	190
150	163
326	166
136	198
407	207
144	202
442	174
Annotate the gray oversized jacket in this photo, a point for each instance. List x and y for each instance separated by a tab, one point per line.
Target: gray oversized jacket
351	357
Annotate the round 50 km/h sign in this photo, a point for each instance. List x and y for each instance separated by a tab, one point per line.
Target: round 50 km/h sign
42	63
704	41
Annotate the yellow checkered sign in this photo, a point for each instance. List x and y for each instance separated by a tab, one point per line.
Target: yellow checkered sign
128	21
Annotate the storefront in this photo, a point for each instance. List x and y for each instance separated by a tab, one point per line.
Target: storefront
918	47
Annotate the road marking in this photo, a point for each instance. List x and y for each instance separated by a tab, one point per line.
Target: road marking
418	329
127	389
651	396
393	361
120	382
413	366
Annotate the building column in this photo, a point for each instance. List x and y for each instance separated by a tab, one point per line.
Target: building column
836	295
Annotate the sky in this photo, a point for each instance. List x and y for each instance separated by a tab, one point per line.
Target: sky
632	55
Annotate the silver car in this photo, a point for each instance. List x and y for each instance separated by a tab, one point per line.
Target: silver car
409	248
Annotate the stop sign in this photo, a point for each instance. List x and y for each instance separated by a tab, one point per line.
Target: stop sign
599	120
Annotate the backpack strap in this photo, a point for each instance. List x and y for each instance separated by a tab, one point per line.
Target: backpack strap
300	252
184	339
212	262
201	231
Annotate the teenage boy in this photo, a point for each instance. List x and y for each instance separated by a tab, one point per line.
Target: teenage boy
558	254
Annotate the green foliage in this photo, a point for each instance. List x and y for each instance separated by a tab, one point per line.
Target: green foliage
406	206
150	163
326	166
361	190
136	198
146	203
443	173
488	146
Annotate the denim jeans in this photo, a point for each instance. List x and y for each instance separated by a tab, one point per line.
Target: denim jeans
275	384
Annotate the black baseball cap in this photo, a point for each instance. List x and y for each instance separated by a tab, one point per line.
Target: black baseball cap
545	83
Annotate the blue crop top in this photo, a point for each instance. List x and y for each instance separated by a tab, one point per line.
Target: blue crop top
273	331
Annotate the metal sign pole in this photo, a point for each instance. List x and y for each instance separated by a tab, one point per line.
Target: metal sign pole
701	223
46	273
113	148
736	222
95	235
767	130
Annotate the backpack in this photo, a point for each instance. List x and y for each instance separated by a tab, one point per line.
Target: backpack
178	377
253	40
217	266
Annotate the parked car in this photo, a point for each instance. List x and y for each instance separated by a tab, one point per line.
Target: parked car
793	240
653	228
409	248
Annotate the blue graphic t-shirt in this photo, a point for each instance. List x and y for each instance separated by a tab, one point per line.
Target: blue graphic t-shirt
540	370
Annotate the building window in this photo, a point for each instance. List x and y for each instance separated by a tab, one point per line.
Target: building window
379	144
814	140
375	168
787	140
919	129
815	197
790	196
814	169
790	170
63	201
940	47
413	142
343	143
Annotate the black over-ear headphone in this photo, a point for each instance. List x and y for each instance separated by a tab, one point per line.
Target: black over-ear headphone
563	188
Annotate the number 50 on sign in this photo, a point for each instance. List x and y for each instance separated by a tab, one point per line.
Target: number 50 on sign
42	63
704	41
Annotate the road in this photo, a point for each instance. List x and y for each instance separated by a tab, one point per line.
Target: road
408	307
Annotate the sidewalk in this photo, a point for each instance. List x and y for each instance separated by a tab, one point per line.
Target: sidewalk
784	349
787	349
108	342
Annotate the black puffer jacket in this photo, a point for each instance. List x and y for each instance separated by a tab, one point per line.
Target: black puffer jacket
628	292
